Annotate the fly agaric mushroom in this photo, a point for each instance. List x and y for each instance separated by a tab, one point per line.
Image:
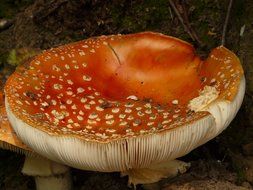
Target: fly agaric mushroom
124	102
47	174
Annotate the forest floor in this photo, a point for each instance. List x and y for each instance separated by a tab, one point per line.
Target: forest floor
225	163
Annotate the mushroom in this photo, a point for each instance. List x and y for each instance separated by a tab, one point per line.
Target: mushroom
47	174
71	103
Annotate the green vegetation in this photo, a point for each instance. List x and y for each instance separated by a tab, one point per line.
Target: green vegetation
17	56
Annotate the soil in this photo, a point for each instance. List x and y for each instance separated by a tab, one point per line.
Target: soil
225	162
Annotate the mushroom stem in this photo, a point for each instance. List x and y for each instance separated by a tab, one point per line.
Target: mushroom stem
156	172
47	174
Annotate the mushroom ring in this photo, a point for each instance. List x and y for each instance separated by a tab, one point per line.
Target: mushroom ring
113	103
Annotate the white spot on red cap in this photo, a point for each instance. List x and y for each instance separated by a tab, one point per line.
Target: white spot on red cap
175	102
132	97
80	90
57	86
86	78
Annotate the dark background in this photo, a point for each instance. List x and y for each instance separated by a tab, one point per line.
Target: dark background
226	162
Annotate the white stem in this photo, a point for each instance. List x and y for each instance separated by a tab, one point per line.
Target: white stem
48	174
60	182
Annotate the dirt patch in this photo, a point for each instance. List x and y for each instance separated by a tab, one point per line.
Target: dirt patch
207	175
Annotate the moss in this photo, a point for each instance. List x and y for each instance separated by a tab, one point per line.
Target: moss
238	10
9	8
17	56
3	58
143	15
208	19
238	164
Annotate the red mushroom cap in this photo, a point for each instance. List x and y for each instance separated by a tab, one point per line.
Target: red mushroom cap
113	87
117	102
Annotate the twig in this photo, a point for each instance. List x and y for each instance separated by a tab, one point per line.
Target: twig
187	22
181	19
114	52
171	15
223	39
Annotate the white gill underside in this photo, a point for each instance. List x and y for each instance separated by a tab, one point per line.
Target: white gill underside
130	153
